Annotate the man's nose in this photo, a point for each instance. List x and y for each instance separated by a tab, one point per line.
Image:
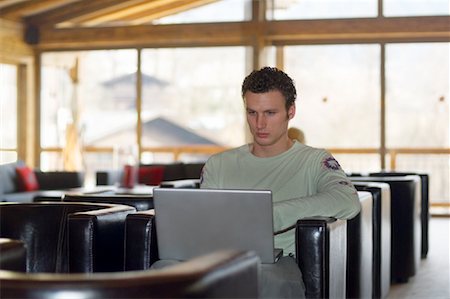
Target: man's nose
260	122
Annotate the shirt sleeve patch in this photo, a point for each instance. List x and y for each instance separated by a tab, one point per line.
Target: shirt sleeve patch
331	163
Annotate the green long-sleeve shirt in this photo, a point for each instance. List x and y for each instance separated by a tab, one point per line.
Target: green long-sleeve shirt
304	181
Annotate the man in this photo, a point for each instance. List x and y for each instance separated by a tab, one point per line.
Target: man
304	181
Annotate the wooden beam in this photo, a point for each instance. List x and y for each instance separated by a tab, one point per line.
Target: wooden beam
19	9
70	11
234	33
207	34
359	30
112	13
174	7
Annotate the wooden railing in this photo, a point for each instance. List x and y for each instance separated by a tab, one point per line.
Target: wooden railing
177	152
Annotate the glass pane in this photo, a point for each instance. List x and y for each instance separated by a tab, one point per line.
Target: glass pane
187	102
51	161
360	163
56	96
417	95
338	94
7	157
436	166
102	102
416	7
8	106
321	9
88	99
218	11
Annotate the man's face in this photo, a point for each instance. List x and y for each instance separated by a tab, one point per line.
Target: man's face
267	117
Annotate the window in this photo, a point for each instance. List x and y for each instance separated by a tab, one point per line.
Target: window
418	110
338	98
330	79
399	8
8	113
88	98
185	102
218	11
321	9
417	95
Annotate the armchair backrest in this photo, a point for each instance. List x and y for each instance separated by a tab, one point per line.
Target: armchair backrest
139	202
63	237
405	223
424	213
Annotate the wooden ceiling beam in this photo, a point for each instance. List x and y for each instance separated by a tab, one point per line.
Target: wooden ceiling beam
116	12
174	7
359	30
70	11
19	9
207	34
272	32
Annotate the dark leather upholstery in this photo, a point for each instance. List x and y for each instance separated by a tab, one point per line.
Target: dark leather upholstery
225	274
321	255
140	202
67	237
360	250
141	247
405	224
424	212
12	255
381	195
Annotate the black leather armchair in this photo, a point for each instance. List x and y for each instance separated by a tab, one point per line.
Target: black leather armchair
223	274
381	195
67	237
424	203
405	223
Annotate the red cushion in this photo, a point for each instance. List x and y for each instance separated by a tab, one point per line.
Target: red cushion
26	179
129	176
151	175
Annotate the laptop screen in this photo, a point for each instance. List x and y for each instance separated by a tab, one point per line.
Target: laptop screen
193	222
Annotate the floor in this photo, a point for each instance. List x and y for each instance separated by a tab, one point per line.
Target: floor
432	280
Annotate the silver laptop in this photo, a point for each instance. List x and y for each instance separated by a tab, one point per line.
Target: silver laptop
193	222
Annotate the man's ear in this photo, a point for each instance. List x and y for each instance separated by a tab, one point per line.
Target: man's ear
291	111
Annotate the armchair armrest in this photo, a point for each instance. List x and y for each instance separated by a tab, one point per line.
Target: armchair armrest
141	248
321	251
96	239
222	274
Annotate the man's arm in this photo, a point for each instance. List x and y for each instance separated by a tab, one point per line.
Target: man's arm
335	197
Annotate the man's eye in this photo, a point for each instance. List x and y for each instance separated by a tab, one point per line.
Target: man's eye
271	112
251	112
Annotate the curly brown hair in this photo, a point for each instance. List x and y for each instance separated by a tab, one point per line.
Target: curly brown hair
269	79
